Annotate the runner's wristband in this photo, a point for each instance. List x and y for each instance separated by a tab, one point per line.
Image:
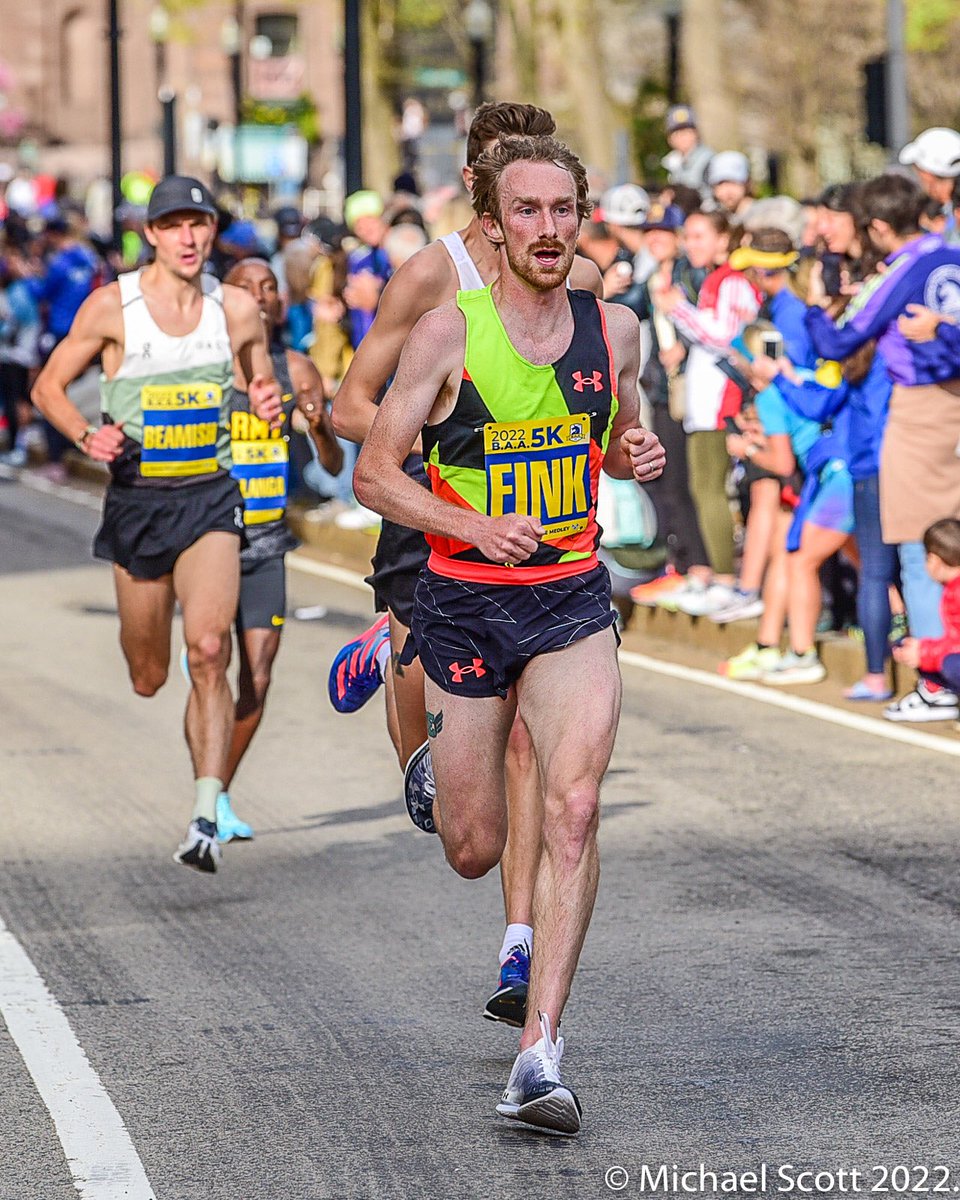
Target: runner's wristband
81	440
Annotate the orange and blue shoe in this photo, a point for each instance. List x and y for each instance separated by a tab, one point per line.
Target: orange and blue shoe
355	674
508	1003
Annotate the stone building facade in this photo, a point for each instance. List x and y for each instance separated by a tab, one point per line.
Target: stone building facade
55	92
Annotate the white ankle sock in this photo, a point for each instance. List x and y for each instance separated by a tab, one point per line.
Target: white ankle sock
516	935
383	657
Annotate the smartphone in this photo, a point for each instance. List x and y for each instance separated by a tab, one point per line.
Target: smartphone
771	343
832	280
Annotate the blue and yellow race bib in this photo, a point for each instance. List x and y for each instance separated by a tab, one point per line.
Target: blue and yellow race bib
181	424
541	469
262	470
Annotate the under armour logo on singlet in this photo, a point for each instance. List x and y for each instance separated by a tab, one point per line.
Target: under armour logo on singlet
579	382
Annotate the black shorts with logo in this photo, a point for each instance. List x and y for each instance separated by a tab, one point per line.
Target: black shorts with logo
263	594
475	639
146	529
400	556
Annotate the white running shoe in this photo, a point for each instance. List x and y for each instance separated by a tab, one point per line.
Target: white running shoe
924	704
796	668
744	606
357	518
704	601
199	848
535	1093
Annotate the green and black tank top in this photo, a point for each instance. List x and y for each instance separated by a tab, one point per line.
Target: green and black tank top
527	439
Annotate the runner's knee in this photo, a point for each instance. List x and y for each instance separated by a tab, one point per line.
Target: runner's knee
209	654
473	853
147	677
571	818
258	686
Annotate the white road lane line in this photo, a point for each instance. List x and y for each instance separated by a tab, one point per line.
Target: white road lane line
749	691
808	708
64	491
98	1149
310	566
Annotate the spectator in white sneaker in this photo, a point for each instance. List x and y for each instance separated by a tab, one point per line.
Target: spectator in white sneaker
727	302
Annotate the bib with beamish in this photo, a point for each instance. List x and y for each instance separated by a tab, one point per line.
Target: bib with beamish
181	427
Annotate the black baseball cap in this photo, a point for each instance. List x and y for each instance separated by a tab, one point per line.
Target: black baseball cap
289	221
180	193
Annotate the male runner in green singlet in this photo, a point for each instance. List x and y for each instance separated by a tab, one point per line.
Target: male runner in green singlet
459	261
520	393
261	467
173	516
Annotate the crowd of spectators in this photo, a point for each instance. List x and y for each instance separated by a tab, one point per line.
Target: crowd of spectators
801	366
803	370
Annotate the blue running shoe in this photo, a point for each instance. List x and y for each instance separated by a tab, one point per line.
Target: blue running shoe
420	789
229	826
355	676
508	1004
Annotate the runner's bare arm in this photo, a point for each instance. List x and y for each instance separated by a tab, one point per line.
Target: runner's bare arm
99	322
427	381
585	275
632	452
248	340
312	402
419	285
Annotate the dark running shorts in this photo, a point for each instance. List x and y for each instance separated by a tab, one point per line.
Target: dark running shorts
474	639
145	530
263	594
400	556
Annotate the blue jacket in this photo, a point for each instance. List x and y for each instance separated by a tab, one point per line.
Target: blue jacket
67	282
925	271
788	313
865	403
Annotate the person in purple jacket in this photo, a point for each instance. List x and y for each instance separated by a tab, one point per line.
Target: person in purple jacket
919	464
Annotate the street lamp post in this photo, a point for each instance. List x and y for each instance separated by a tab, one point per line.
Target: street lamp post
898	113
672	15
231	39
478	21
160	32
116	129
353	99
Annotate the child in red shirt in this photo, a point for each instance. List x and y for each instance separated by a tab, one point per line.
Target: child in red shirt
940	657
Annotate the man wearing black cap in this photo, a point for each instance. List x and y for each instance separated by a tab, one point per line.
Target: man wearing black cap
689	158
173	516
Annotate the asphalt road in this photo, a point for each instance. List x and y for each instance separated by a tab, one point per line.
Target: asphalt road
771	974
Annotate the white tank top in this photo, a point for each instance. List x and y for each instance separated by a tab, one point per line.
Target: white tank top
147	350
467	273
171	393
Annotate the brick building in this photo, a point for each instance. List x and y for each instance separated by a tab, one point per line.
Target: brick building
55	90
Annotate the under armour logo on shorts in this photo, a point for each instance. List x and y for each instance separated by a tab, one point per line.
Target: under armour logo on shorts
458	672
